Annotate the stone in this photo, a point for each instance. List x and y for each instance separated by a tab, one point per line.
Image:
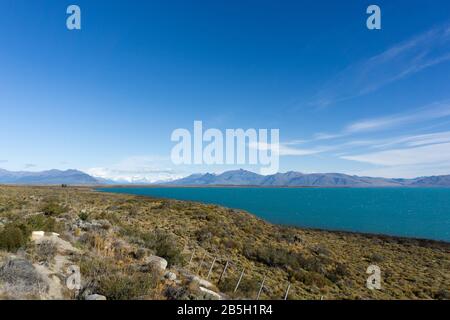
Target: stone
158	262
170	276
36	235
95	297
202	282
210	294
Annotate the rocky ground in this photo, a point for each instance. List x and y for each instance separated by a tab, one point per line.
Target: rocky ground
107	246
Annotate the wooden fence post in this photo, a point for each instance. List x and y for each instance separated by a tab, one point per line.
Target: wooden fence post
287	291
192	258
210	269
201	263
223	272
260	289
239	281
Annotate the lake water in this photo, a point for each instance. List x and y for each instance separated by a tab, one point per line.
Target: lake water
410	212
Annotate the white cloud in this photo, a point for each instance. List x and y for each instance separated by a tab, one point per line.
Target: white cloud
285	149
398	62
429	154
411	171
434	111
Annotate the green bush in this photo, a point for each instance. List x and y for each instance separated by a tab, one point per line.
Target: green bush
52	208
165	245
126	287
83	215
104	277
42	223
12	238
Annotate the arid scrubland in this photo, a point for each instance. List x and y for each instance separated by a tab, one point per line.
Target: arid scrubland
116	240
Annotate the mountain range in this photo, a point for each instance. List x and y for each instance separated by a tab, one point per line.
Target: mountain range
229	178
297	179
49	177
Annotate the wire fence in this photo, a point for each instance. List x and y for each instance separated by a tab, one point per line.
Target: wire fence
236	279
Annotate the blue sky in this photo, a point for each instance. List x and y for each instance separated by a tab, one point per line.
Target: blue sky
105	99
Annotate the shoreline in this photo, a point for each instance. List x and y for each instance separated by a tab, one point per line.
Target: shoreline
372	235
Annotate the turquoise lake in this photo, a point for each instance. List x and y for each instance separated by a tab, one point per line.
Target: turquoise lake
410	212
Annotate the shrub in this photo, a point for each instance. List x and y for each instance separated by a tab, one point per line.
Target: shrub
121	286
310	278
42	223
442	294
165	245
83	215
248	287
12	238
52	208
376	258
102	276
46	251
176	293
339	272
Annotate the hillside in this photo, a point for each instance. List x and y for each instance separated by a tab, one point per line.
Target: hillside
118	242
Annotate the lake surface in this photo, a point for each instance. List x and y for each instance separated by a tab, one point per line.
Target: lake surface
410	212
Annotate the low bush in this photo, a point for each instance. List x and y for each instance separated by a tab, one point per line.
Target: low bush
248	287
122	286
46	251
52	208
166	245
12	238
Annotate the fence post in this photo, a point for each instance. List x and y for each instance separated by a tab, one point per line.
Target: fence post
192	258
239	281
223	272
201	263
260	289
210	269
287	291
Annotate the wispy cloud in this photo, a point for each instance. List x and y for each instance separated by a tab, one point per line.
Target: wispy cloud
431	112
398	62
429	154
285	149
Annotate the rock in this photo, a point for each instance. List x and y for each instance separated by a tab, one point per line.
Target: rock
170	276
36	235
158	262
210	294
94	225
61	245
95	297
202	282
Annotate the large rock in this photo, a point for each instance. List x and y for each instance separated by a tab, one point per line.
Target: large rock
209	294
156	262
202	282
95	297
